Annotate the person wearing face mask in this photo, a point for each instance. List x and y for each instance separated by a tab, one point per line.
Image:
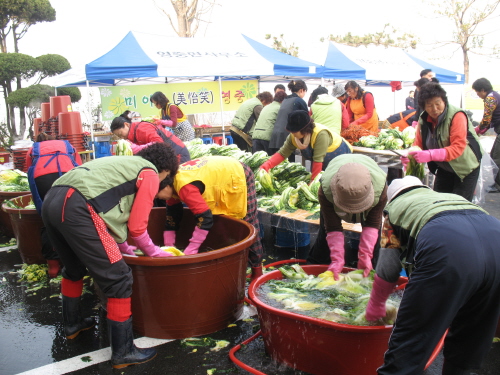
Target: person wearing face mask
449	143
315	142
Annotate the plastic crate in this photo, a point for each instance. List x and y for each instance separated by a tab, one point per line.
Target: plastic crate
102	149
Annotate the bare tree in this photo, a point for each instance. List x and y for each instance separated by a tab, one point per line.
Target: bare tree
388	37
189	15
470	18
279	44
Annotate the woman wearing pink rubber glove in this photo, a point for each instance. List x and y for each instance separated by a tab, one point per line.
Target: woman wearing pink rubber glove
449	143
449	247
353	189
87	212
143	133
211	185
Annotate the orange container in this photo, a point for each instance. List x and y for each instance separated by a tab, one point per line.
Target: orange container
37	122
45	111
70	123
27	225
318	346
60	104
185	296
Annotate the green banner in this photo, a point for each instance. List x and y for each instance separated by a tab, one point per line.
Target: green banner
191	97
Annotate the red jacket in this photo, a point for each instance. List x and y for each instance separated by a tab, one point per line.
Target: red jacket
51	148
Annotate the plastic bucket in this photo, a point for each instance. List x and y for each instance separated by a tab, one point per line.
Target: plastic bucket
70	123
319	346
60	104
37	122
26	224
179	297
5	223
45	111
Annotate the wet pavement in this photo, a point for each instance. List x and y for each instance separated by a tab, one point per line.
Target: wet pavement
32	339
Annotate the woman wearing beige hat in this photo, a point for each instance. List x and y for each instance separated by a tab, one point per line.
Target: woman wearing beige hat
353	189
315	142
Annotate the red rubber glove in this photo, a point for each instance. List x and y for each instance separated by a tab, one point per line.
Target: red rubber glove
136	148
335	242
273	161
126	249
54	267
436	154
195	242
382	289
367	242
148	247
169	238
480	131
316	168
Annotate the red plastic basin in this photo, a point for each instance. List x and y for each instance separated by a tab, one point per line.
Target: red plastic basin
319	346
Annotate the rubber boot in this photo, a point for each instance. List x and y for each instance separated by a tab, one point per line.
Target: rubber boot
256	272
73	322
124	352
54	267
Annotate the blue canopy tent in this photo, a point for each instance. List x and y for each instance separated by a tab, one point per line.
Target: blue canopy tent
149	58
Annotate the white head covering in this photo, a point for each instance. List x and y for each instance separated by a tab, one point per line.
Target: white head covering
399	184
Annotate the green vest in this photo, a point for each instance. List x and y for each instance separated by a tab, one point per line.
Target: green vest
244	113
412	210
378	180
265	124
327	110
109	186
465	163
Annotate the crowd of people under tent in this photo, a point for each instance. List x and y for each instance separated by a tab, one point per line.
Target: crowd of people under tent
90	211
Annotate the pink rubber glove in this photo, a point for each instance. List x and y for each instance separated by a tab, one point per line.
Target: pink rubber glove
125	248
382	289
367	242
148	247
164	123
272	162
480	131
335	242
136	148
404	161
436	154
414	124
169	238
195	242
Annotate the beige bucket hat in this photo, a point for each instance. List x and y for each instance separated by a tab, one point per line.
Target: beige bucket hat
352	188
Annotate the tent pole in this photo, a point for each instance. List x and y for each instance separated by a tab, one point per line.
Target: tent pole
222	111
90	113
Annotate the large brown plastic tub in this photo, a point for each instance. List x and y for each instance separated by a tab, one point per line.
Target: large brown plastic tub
26	224
5	223
179	297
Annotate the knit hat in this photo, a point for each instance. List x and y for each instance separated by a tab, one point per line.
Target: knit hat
338	90
399	184
297	120
352	188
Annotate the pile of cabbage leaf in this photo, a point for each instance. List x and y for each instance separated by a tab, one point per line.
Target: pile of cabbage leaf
389	139
343	301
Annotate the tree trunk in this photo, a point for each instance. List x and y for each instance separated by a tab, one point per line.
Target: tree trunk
181	9
466	64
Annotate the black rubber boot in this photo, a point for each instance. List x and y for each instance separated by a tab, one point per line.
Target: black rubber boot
73	322
124	352
451	369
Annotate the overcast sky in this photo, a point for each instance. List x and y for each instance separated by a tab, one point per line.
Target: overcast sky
85	30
